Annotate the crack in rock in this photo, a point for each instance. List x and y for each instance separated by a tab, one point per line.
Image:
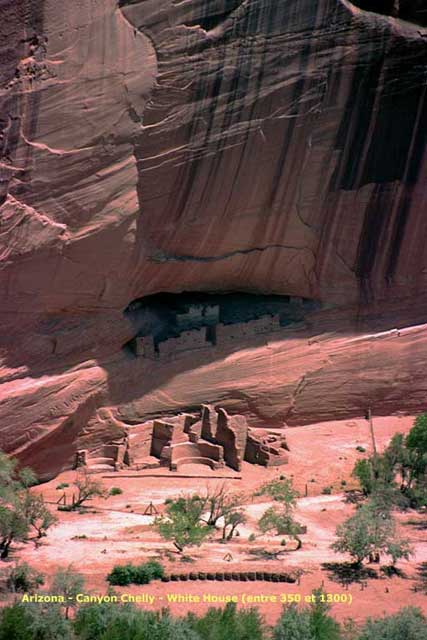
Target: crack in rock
162	257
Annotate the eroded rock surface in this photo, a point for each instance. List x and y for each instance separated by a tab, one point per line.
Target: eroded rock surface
206	145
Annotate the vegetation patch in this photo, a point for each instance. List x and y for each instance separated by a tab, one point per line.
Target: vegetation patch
123	575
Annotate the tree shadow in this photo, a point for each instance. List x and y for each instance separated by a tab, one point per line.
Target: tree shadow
265	554
419	525
354	497
346	573
421	584
390	571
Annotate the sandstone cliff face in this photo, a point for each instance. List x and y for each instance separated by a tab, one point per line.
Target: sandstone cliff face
164	145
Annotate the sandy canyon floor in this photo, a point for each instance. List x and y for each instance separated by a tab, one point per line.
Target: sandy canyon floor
116	531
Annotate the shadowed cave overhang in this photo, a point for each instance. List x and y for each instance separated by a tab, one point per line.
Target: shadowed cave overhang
167	315
411	10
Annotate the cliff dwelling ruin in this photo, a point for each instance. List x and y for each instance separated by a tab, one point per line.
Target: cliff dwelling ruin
169	325
210	437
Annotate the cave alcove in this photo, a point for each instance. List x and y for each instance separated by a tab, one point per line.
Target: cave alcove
410	10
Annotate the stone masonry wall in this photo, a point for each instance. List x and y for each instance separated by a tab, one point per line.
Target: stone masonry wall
197	338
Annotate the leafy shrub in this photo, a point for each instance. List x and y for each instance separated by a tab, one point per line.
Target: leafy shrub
293	624
122	575
115	491
15	622
144	573
313	622
323	626
229	623
326	491
92	620
126	622
308	623
141	575
409	624
34	622
63	485
156	569
360	449
24	579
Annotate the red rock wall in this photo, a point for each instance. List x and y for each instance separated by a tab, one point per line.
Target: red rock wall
277	147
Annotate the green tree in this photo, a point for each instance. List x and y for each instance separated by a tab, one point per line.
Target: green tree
20	509
417	437
363	471
352	537
15	623
404	461
229	623
416	443
283	524
308	623
323	626
183	523
369	532
68	583
13	479
418	494
220	502
25	579
92	620
400	460
34	622
87	488
14	484
48	623
232	520
280	491
38	516
280	517
13	527
398	549
294	624
376	477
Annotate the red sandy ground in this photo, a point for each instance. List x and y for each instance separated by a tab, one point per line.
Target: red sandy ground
321	455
